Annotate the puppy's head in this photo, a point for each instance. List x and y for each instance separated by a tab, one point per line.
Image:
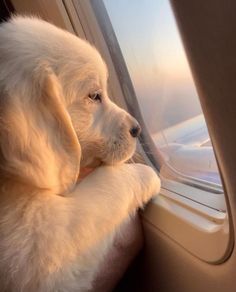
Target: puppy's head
55	113
106	132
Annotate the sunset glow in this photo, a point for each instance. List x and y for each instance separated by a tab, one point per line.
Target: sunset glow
154	55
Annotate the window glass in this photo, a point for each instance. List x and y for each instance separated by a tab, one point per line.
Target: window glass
151	46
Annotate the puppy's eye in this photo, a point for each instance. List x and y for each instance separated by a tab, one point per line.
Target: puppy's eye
96	97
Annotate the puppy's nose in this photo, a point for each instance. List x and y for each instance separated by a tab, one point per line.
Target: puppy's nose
135	131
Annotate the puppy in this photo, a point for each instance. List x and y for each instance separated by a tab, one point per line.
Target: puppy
56	117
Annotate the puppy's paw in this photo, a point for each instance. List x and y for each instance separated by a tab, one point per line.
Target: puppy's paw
149	182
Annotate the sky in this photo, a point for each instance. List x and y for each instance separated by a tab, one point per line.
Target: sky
152	48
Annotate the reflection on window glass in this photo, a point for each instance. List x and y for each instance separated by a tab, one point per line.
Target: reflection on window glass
150	43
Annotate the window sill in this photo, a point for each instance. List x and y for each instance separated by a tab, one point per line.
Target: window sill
212	200
201	230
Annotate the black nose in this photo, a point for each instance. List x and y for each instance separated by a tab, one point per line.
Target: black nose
135	131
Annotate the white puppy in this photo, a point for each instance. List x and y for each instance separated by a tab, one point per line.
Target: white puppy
55	116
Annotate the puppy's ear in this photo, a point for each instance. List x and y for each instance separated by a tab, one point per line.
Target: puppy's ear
38	144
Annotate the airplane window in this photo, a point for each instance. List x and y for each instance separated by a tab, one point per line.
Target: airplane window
151	46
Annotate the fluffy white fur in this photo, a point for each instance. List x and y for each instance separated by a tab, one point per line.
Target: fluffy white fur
54	230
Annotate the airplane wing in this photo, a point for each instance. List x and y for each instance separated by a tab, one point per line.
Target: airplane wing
187	148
